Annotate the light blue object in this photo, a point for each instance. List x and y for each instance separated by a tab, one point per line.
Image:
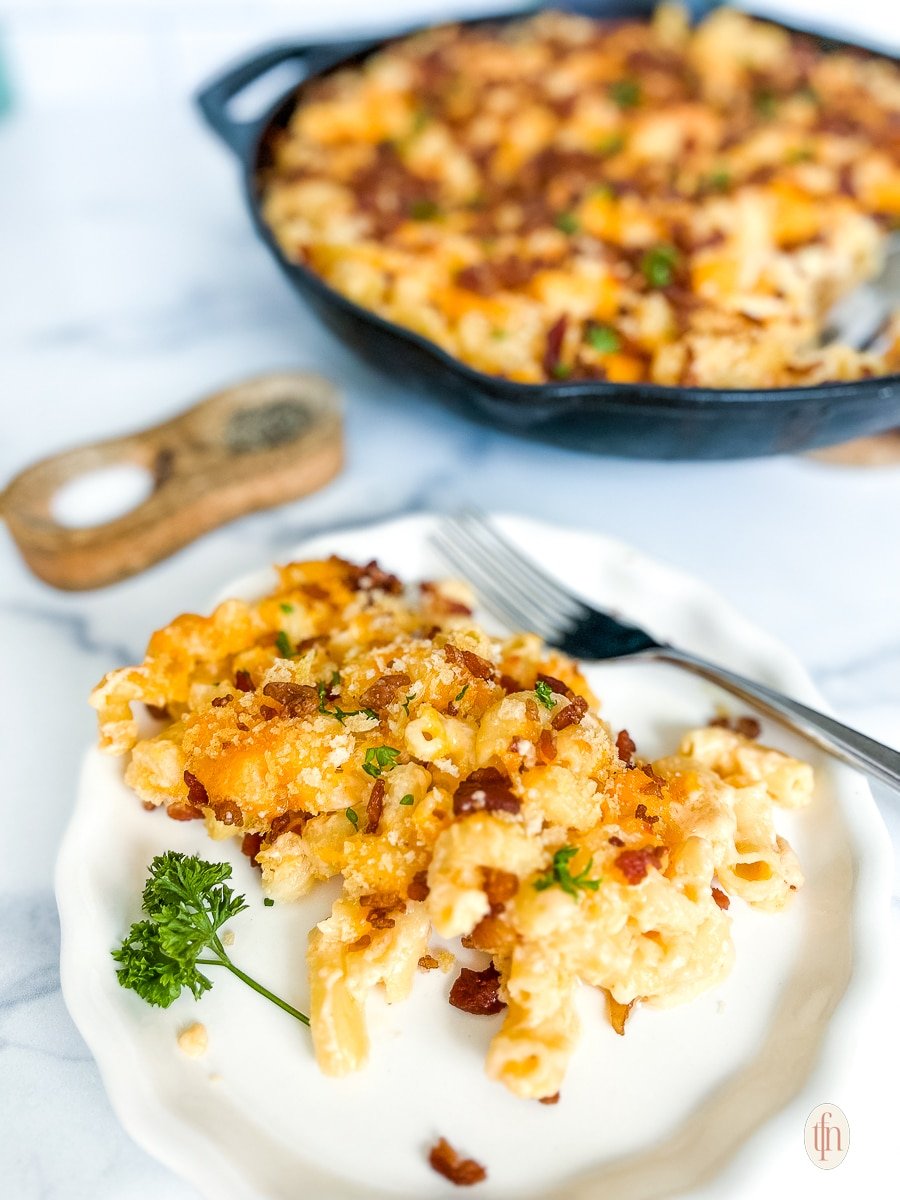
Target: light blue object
5	84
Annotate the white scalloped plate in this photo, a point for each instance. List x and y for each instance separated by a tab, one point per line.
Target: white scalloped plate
660	1111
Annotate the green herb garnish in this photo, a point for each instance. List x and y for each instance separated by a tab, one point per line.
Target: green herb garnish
459	695
561	371
603	339
658	265
187	901
423	210
268	901
352	816
765	103
379	759
407	799
625	92
611	144
286	608
340	714
719	180
544	693
283	644
406	703
559	873
567	222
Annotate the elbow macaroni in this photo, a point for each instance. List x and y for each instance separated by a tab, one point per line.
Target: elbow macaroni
401	748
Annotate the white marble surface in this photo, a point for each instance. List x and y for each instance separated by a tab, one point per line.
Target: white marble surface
131	283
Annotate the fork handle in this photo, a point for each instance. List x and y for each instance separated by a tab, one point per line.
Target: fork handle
849	745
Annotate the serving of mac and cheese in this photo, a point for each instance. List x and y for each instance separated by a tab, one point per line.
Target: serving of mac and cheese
463	786
561	198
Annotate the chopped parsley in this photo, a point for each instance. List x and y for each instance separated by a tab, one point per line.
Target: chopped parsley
268	901
335	679
625	92
286	608
611	144
406	703
341	714
567	222
603	339
544	693
283	644
407	799
379	759
352	816
559	873
186	901
459	695
423	210
658	265
561	371
765	103
719	180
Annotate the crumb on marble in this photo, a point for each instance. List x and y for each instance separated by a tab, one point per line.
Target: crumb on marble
193	1040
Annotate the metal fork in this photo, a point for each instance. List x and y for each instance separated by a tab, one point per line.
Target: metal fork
518	591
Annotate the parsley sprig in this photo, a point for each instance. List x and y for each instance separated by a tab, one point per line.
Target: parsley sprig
187	901
379	759
544	693
340	714
558	873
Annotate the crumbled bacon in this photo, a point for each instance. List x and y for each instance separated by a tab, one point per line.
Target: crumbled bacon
572	714
383	691
492	934
615	840
499	886
315	591
267	712
197	794
243	682
418	887
450	1163
554	344
557	686
180	811
546	746
386	900
439	602
509	684
642	815
297	699
428	962
228	812
655	784
250	844
293	820
473	663
485	789
721	898
554	1099
625	747
634	864
375	806
477	992
747	727
361	942
370	577
379	918
221	701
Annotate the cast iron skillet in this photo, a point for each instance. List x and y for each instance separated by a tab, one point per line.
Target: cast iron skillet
634	420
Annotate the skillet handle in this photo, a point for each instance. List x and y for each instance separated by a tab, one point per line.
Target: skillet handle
214	97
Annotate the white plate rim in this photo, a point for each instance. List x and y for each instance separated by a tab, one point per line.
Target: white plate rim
150	1125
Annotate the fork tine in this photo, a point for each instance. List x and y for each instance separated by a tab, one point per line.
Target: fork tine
527	572
492	595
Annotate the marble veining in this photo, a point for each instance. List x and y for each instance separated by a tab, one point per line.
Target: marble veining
132	283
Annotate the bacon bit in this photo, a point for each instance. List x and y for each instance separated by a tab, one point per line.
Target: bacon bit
267	712
656	782
473	663
369	577
485	789
159	711
747	727
378	918
250	844
615	840
428	962
297	699
221	701
477	992
546	746
243	682
492	934
315	591
499	886
293	820
618	1013
510	685
383	691
179	811
375	806
554	1099
721	898
308	643
553	347
531	710
242	726
625	747
149	806
228	812
197	794
418	888
361	942
439	602
449	1163
642	815
557	685
634	864
572	714
385	900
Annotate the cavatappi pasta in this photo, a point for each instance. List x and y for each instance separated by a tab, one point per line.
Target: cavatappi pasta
563	198
460	784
